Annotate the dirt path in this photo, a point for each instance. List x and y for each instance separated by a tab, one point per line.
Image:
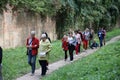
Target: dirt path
61	63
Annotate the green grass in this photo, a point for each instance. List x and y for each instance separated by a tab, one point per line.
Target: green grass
56	52
14	63
15	60
112	33
104	64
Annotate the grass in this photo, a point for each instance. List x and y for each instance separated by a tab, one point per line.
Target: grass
112	33
15	60
102	65
56	52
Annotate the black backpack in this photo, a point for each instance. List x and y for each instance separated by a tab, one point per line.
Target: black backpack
91	36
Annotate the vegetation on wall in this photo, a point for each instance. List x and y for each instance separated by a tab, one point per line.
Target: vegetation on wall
71	13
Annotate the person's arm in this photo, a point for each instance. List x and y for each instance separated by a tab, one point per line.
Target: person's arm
49	47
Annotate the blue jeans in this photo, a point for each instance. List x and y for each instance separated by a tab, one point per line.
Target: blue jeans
32	61
101	42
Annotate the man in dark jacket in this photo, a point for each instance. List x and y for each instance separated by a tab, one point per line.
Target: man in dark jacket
101	37
0	63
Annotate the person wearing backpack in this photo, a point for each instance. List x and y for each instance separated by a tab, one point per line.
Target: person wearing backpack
45	48
1	55
81	34
101	36
91	38
86	36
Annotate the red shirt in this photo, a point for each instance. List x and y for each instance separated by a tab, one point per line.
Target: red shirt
35	45
64	44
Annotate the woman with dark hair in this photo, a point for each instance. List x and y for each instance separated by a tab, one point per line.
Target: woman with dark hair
71	44
45	47
47	36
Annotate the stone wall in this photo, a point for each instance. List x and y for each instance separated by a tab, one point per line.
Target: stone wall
15	27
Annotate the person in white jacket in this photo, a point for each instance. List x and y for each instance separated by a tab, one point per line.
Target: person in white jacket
71	44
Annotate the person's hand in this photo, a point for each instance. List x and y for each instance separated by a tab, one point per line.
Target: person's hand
0	65
46	52
29	46
35	45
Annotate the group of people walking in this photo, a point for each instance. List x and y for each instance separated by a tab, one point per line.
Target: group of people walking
70	42
74	39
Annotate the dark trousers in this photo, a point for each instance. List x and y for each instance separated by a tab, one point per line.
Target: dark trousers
1	72
43	64
32	61
101	42
65	54
71	49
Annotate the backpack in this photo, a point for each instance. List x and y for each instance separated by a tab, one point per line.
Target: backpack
91	36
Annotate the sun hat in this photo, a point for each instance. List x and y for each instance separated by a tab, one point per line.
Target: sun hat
43	35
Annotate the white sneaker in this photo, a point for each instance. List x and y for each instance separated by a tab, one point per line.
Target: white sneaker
76	55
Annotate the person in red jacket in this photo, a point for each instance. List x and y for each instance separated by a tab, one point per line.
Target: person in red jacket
32	45
65	45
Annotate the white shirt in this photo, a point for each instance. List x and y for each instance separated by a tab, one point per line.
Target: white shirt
30	43
70	40
87	35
